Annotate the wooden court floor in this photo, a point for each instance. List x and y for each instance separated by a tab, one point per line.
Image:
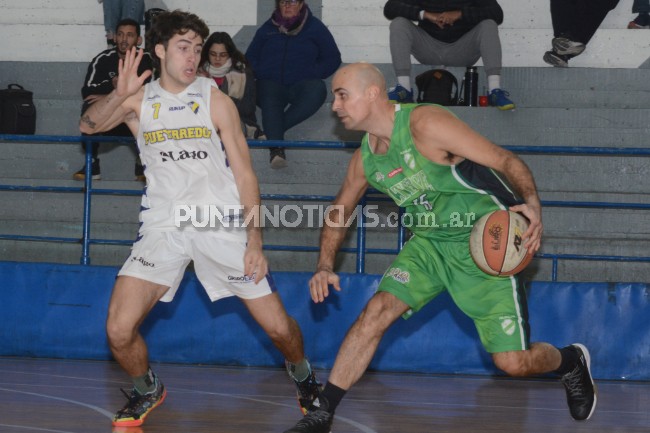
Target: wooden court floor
67	396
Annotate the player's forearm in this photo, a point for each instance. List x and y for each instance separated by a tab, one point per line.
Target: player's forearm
332	236
521	178
103	114
331	240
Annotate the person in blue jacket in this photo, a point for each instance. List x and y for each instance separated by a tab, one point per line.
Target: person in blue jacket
291	54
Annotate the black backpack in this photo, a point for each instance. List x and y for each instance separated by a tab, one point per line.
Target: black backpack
17	110
437	86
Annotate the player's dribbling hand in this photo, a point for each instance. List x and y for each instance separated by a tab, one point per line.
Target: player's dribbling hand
128	80
320	282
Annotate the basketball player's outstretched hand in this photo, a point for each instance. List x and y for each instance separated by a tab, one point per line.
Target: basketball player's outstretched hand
255	263
320	282
128	81
533	236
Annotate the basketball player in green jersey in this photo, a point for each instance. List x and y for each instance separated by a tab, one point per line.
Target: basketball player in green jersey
445	176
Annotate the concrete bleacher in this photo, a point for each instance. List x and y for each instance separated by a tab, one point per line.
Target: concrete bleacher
603	100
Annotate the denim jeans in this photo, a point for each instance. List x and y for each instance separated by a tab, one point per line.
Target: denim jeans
285	106
116	10
641	6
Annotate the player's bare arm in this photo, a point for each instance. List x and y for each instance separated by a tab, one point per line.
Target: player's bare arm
226	120
108	111
335	228
445	139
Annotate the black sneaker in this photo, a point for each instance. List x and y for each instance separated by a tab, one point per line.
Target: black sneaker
308	391
564	45
581	393
278	158
96	173
139	406
317	420
555	59
139	172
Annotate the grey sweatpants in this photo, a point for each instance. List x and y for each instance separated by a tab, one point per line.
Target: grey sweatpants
407	38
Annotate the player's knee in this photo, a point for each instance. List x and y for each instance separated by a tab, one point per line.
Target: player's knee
118	333
373	319
283	332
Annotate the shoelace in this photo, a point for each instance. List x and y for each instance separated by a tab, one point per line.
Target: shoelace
133	398
573	382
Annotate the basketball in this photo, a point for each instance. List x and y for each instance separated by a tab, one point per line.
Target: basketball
496	243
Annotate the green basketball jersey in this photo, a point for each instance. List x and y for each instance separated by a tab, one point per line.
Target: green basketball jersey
440	201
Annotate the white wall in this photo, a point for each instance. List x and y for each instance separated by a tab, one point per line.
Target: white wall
72	30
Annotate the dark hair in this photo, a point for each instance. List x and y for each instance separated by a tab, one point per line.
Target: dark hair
128	22
239	61
168	24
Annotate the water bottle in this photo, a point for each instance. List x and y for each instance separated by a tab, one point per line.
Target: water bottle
471	86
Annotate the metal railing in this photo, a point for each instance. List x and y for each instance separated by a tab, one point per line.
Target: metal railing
361	249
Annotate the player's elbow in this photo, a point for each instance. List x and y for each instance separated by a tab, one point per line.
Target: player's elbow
86	126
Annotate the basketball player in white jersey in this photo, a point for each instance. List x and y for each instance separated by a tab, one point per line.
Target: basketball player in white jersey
194	153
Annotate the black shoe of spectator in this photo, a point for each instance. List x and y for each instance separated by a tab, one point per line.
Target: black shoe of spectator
95	172
555	59
278	159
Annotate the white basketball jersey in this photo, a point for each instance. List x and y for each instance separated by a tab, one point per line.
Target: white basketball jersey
188	175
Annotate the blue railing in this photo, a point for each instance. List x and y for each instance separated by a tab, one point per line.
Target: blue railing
361	250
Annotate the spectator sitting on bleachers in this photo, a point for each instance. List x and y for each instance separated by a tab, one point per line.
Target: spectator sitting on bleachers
291	54
574	24
227	66
642	20
117	10
101	78
449	33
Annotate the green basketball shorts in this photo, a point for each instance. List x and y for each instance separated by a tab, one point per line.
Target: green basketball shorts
425	268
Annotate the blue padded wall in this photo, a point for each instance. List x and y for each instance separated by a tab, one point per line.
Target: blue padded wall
51	310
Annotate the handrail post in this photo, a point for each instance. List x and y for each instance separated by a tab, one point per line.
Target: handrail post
85	237
361	237
401	230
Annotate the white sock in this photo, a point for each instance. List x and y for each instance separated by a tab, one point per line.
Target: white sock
494	82
404	81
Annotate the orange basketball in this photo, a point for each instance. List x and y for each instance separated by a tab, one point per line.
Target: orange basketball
496	243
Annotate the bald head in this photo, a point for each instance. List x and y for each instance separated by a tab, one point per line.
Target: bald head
359	76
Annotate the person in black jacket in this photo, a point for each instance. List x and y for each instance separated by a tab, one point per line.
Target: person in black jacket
449	33
100	80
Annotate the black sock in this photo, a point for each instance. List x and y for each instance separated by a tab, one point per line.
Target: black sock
569	360
333	396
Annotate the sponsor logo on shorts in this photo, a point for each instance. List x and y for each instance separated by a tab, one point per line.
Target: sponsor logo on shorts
399	275
509	325
241	279
143	262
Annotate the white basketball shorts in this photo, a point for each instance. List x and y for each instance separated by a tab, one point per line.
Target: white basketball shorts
162	256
